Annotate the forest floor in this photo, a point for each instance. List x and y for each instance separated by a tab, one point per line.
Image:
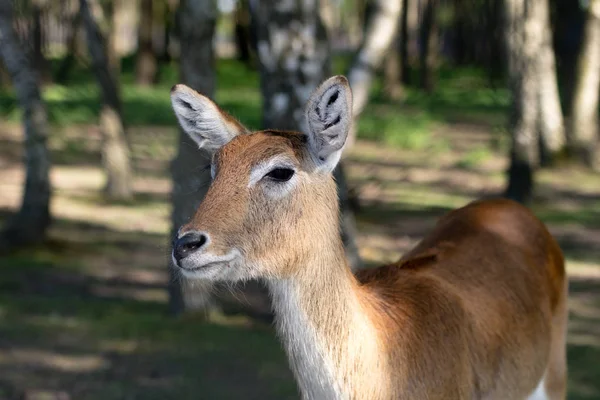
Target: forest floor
84	315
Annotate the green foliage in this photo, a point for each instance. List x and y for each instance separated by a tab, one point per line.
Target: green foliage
474	157
461	95
393	127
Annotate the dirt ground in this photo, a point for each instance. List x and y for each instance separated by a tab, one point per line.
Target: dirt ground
83	315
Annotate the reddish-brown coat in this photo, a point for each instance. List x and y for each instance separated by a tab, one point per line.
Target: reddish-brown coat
488	284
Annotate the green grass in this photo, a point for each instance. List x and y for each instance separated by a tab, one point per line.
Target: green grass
48	306
461	95
52	302
475	157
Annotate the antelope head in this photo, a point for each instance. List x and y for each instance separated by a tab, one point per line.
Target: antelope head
272	202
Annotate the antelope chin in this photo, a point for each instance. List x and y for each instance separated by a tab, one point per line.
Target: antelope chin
208	266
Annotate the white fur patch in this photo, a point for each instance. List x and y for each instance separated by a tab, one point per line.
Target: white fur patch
313	371
260	170
540	392
348	367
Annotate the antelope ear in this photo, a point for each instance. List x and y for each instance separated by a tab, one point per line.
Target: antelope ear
329	117
204	122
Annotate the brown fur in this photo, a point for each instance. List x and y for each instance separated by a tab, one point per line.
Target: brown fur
488	286
477	310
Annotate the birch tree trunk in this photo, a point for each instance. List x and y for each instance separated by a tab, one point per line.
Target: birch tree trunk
379	36
115	149
196	21
33	218
584	140
536	119
551	123
293	51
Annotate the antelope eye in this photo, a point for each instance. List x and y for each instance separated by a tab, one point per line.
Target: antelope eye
280	174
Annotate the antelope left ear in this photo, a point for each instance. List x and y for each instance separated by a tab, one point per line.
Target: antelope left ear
329	117
209	126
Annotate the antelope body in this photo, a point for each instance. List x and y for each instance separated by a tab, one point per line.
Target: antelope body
477	310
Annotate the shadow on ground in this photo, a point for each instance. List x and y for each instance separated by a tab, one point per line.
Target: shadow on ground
69	324
77	317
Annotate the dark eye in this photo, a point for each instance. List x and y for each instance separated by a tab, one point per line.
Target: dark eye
281	174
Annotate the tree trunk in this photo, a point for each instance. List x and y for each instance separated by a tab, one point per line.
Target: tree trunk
293	64
33	218
115	149
409	38
114	11
146	63
4	77
429	46
242	32
494	32
584	140
196	21
39	60
392	72
379	36
524	26
550	118
67	63
462	33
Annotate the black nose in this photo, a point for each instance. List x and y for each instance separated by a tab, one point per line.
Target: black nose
187	244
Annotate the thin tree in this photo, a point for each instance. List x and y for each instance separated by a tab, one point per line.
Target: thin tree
409	28
73	32
381	27
532	81
584	139
428	46
293	63
392	70
196	21
39	60
33	218
146	63
115	149
243	34
550	118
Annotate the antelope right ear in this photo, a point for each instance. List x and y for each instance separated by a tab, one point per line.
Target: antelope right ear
204	122
329	116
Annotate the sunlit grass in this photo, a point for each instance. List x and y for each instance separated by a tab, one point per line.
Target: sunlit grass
460	95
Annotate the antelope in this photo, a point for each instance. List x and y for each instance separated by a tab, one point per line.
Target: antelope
477	310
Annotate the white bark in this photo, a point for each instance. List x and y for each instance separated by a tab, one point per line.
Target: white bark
584	111
379	36
536	121
294	54
551	117
30	223
115	149
522	45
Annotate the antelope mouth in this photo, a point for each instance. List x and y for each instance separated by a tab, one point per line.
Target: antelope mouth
205	265
201	267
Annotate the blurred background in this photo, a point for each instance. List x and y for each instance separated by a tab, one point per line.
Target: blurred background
454	100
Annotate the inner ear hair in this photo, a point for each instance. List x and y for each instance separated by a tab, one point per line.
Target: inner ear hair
208	125
329	115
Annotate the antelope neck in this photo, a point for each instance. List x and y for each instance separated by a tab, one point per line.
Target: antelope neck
327	333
